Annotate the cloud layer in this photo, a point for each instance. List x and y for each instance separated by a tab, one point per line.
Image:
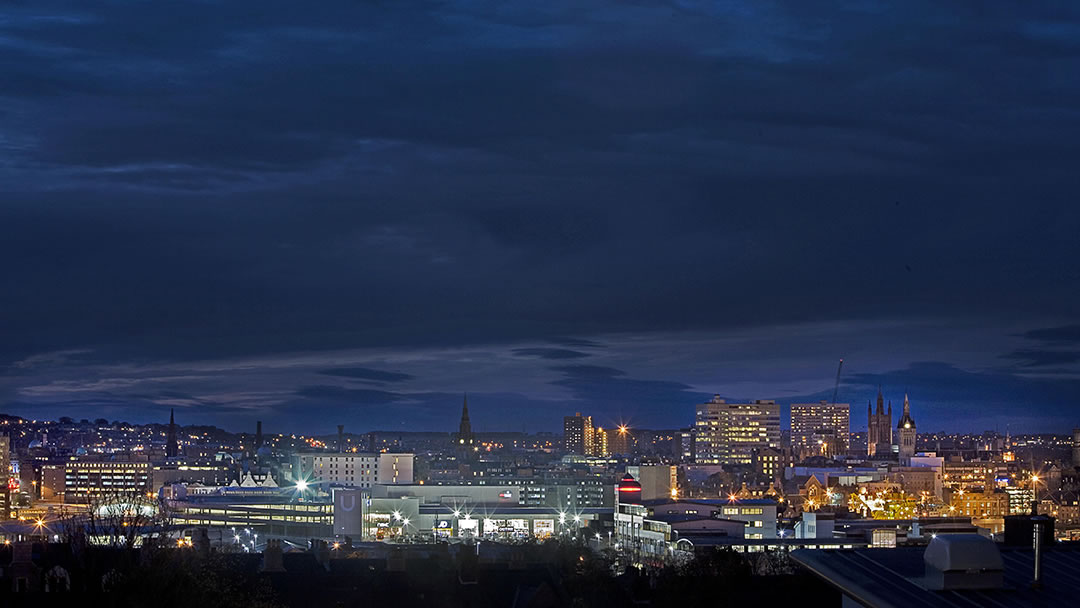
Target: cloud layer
189	183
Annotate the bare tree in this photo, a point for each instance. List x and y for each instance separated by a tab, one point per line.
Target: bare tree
123	519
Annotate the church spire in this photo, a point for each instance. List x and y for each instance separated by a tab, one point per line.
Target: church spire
170	440
465	434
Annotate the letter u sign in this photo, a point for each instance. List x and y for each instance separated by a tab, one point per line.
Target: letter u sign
352	503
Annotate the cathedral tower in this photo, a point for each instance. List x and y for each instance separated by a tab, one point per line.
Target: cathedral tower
879	429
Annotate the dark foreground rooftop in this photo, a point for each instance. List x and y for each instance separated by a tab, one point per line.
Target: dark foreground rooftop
887	578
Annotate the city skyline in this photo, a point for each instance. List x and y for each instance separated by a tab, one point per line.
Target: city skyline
355	212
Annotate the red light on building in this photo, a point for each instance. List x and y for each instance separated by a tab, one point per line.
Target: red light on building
629	490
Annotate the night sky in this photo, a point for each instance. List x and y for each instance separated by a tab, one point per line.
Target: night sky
314	213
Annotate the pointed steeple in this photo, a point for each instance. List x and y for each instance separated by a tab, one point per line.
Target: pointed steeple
171	448
880	401
906	421
465	434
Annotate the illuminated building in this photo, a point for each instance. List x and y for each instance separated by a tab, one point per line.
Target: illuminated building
728	433
879	429
823	418
433	512
601	446
264	510
905	428
355	469
687	449
768	462
578	435
88	480
620	441
6	479
1020	500
987	504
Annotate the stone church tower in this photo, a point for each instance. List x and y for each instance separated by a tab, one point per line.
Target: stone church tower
906	429
879	429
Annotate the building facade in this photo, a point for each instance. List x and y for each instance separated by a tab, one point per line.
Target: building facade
86	481
729	433
578	435
354	469
812	421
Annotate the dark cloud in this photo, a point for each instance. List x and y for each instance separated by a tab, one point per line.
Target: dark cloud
964	398
613	398
588	371
576	342
1040	358
193	181
1067	334
351	396
550	353
368	374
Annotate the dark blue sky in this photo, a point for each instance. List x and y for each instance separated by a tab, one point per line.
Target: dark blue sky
313	213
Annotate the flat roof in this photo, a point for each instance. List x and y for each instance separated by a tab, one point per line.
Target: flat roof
716	502
892	578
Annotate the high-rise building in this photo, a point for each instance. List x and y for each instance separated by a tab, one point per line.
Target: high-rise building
822	419
620	441
686	449
728	433
905	428
601	445
578	435
171	447
879	429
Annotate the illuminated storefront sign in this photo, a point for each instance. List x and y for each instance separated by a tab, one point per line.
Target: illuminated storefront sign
543	528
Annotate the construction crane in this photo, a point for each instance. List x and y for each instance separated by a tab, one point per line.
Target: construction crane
836	388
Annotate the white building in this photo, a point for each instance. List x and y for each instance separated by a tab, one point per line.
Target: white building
358	470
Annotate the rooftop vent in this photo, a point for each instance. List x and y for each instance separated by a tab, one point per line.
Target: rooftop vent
963	561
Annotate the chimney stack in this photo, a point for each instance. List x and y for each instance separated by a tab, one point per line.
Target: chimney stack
340	438
258	434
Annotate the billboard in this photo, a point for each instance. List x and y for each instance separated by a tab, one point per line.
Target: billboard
349	512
